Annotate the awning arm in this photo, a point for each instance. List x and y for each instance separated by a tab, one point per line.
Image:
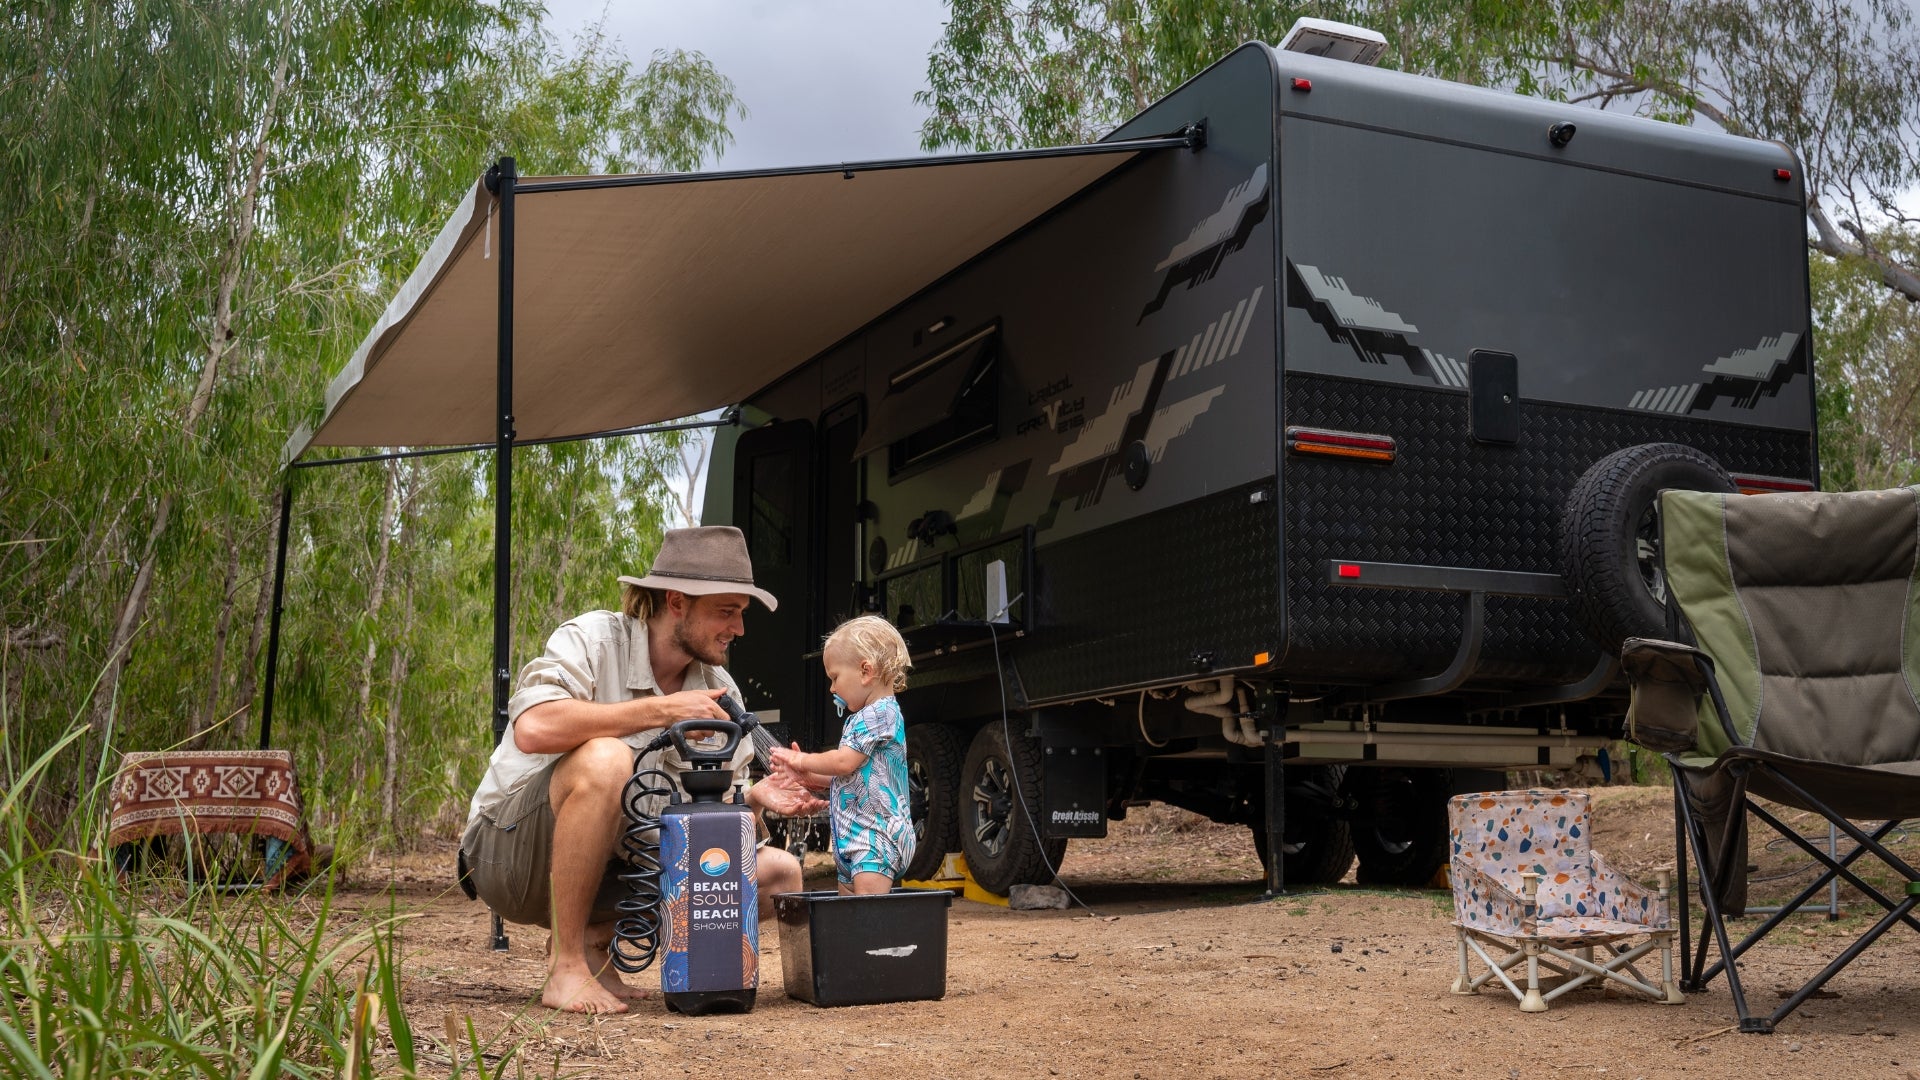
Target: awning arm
728	418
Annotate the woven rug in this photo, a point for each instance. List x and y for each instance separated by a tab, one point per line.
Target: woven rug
243	792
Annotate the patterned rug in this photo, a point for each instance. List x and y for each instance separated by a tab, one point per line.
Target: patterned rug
241	792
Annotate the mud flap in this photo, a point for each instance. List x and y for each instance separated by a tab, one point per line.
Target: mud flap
1074	792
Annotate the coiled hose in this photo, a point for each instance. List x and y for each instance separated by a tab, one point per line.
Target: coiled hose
636	927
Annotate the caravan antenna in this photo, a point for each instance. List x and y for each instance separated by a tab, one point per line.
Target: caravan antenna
1334	40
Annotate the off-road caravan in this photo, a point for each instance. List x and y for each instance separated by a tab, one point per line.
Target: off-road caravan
1290	478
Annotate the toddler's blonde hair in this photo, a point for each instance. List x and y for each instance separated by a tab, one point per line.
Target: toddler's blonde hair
873	639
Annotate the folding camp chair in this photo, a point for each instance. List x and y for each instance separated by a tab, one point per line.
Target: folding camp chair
1528	885
1803	690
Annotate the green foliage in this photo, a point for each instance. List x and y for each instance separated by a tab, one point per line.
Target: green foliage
1869	372
1046	72
158	977
212	203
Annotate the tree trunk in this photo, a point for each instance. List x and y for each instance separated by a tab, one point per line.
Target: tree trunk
566	553
390	779
132	610
204	721
389	506
702	446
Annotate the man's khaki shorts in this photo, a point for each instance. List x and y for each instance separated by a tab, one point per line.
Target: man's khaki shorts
509	857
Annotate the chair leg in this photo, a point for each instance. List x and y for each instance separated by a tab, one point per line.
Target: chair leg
1463	983
1671	988
1533	1002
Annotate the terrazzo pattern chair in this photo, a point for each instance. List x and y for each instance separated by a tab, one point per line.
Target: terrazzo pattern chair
1529	891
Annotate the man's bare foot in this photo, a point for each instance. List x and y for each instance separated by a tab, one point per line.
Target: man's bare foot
574	989
609	977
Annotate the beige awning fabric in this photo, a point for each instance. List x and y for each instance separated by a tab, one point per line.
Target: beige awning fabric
644	299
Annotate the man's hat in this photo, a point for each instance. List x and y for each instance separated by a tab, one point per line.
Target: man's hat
703	561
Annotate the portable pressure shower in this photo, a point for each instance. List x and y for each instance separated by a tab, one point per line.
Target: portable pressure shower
693	873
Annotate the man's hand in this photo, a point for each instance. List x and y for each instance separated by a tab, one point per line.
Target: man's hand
781	795
688	705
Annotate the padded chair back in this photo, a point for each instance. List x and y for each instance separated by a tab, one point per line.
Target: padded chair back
1505	834
1809	605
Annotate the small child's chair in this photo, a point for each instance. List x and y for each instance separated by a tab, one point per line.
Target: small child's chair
1528	886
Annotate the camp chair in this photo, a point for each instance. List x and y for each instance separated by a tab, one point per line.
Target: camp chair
1528	885
1801	690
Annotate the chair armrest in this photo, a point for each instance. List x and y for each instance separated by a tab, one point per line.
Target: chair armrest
1480	901
1668	679
1637	903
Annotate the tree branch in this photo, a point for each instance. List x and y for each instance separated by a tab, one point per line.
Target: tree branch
1828	241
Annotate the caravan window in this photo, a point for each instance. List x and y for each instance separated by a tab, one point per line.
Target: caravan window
939	405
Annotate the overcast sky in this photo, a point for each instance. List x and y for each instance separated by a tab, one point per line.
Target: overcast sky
823	80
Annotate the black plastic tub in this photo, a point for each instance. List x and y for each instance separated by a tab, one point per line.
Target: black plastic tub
864	950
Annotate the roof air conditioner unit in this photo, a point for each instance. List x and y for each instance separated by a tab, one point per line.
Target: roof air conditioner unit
1334	40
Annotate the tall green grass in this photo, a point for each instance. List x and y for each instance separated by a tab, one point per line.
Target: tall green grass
157	976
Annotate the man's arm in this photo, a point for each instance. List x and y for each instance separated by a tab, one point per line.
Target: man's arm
559	726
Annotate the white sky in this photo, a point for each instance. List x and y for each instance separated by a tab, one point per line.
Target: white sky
823	81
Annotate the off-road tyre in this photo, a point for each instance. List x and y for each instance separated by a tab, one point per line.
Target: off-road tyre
1319	846
933	786
1400	833
1609	537
998	783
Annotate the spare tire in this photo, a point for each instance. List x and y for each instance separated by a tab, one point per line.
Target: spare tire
1610	537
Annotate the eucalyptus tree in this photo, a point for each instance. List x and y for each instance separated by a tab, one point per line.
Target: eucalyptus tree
212	202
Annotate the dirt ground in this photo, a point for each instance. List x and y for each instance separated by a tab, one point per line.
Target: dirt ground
1181	970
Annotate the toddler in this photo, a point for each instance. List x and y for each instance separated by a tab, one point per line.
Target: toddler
866	776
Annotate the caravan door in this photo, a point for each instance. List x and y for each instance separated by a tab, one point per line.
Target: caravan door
796	496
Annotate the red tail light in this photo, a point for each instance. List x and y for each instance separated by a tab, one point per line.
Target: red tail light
1767	485
1346	444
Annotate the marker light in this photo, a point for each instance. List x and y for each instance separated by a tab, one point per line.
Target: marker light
1303	85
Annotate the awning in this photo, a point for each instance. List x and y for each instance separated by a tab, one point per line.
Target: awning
641	299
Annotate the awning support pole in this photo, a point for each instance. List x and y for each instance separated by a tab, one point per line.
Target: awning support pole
273	624
501	180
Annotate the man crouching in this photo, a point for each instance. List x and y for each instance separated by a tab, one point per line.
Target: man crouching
544	830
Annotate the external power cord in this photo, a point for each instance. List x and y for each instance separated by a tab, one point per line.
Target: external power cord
1013	766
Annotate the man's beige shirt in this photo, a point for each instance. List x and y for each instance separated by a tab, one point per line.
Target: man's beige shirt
600	656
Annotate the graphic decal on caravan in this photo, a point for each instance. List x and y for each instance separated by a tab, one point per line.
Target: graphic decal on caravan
1196	259
1222	337
1742	377
1366	325
1176	420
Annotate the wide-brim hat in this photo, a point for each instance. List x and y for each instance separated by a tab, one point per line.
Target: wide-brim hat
703	561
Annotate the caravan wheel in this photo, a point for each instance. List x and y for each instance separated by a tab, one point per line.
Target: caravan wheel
933	789
998	783
1401	832
1610	537
1319	845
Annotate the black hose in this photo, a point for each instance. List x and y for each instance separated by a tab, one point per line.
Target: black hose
636	928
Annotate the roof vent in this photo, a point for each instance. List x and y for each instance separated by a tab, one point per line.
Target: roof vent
1334	40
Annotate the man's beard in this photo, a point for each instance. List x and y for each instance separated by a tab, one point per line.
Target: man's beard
709	653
